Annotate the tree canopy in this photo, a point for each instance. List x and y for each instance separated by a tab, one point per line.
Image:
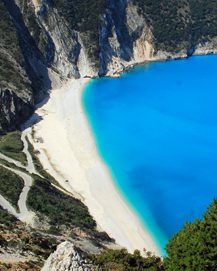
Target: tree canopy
194	248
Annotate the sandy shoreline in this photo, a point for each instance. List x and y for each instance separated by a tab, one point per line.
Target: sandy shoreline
67	151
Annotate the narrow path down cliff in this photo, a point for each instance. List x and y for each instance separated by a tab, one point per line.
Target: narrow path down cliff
30	165
24	214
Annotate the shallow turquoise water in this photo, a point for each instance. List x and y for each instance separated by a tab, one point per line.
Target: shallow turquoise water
156	129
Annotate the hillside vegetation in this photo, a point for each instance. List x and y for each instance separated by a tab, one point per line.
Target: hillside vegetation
85	17
16	238
11	57
11	145
11	185
180	24
195	246
62	211
121	260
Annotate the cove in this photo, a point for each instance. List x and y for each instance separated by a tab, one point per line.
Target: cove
155	128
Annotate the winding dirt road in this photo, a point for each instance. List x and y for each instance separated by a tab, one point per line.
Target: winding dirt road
23	214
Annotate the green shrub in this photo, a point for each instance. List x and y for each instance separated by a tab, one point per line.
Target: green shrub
11	145
61	209
121	260
11	185
194	248
7	219
180	24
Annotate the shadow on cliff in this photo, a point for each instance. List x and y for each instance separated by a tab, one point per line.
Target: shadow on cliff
35	64
115	19
35	118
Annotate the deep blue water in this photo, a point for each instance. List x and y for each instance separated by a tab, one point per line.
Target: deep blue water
156	129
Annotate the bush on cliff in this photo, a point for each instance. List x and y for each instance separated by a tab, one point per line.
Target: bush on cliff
194	248
180	24
121	260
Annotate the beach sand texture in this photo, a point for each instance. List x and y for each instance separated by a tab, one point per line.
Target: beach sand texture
68	152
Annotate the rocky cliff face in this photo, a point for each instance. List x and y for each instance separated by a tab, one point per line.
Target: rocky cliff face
91	38
13	109
125	38
23	72
67	258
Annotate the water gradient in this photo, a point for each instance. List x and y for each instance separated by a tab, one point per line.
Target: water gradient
156	130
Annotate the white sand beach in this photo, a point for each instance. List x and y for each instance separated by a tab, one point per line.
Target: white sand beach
67	151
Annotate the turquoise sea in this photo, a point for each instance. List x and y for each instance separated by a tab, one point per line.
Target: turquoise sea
156	130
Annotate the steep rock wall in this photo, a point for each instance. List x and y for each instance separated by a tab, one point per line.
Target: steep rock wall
13	110
125	38
24	79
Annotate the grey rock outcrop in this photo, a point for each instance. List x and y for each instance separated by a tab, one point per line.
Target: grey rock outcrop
125	38
66	258
24	79
13	110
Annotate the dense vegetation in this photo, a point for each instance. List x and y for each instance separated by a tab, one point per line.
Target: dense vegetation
180	24
59	208
11	145
195	246
39	36
9	40
81	15
6	218
11	185
10	53
121	260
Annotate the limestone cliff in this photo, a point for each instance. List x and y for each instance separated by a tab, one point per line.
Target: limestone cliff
23	72
67	258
